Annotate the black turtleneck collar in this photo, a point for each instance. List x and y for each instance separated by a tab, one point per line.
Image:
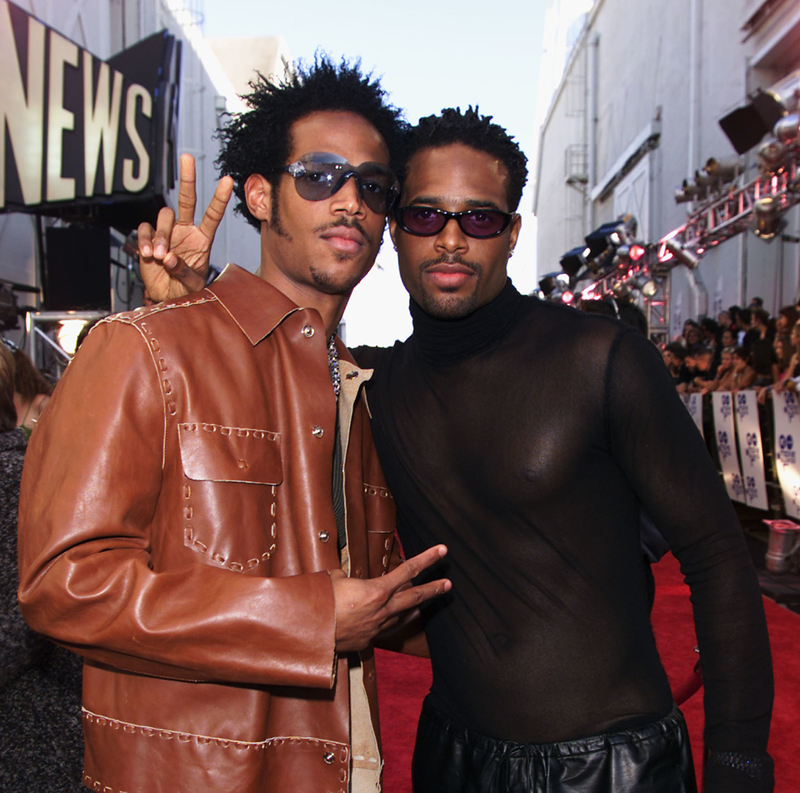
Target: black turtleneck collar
441	342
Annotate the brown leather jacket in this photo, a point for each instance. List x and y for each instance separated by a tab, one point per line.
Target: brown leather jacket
176	529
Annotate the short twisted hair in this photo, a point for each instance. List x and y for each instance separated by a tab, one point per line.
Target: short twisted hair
473	130
258	140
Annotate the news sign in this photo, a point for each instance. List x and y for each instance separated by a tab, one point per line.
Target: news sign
81	134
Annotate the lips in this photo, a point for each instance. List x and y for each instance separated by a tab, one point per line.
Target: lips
448	276
344	239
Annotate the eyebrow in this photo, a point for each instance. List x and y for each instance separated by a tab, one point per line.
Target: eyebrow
470	202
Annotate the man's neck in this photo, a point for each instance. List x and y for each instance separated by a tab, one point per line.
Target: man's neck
330	307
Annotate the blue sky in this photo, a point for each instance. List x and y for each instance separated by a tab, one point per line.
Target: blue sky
430	55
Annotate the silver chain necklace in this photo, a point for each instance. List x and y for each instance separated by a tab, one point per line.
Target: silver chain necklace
333	365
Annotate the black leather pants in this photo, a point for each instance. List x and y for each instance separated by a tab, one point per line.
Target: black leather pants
655	758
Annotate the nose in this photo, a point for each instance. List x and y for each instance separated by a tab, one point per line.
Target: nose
348	197
451	239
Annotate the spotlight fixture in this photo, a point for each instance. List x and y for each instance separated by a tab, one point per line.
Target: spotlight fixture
787	130
68	332
572	262
723	171
547	284
767	218
681	255
688	191
621	290
747	125
772	157
650	288
618	232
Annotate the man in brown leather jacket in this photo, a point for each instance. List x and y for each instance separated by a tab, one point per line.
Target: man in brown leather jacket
182	525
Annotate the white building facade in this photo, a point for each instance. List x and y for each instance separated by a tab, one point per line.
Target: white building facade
637	112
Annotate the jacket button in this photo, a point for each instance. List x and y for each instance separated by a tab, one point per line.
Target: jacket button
317	432
308	331
324	536
328	757
241	464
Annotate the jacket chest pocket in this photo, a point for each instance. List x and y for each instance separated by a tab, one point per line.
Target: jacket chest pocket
231	477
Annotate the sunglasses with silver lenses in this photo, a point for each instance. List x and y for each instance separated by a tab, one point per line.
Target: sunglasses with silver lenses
320	174
424	221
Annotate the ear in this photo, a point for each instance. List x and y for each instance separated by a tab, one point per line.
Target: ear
516	225
258	196
393	229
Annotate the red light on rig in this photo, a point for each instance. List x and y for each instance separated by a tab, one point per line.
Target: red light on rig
567	297
637	251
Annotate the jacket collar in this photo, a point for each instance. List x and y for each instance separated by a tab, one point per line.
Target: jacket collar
255	306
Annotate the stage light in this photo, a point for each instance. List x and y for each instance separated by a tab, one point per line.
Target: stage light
723	171
772	157
767	218
621	290
747	125
787	130
618	232
623	256
680	254
636	253
68	332
650	288
688	191
547	284
572	262
556	287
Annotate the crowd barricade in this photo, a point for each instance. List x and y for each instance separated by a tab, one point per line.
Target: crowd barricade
755	446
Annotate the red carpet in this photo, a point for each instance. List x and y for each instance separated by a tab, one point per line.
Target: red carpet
404	681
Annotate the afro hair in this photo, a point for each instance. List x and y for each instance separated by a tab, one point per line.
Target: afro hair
258	140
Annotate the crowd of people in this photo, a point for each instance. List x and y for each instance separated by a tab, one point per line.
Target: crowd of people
743	348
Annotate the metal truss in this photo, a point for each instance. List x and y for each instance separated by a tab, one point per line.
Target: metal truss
723	217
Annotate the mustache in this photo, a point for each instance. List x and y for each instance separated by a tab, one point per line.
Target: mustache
454	259
350	224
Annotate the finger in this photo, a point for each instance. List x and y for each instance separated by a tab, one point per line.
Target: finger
144	236
190	278
164	224
410	569
216	209
417	595
187	194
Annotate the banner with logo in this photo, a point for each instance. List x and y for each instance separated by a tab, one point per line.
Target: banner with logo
694	404
722	402
787	435
752	453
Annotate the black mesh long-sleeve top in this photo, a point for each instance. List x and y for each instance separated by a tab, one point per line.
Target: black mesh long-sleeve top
526	437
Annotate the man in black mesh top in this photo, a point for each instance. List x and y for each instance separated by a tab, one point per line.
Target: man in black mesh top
527	437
